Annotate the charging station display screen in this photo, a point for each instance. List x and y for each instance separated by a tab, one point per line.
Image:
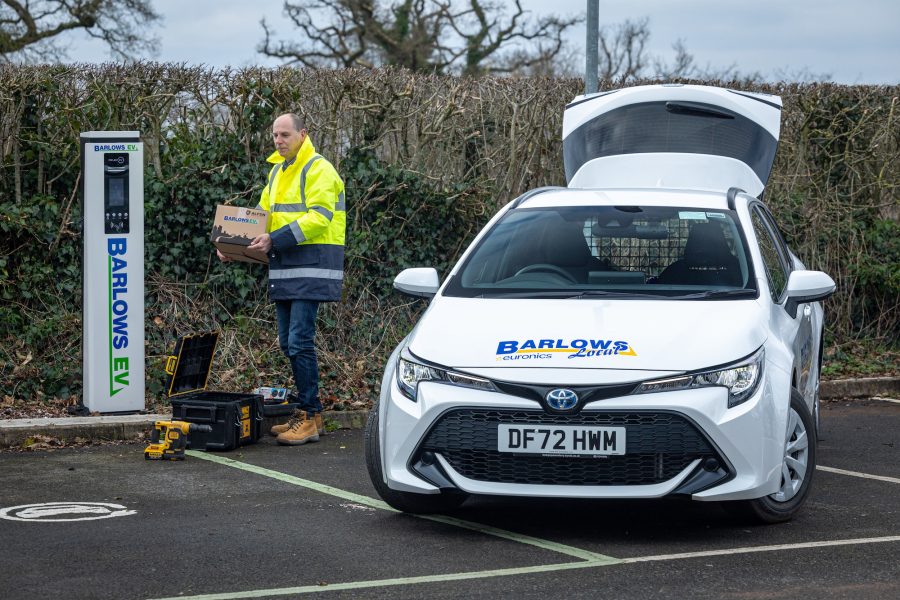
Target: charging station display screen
115	201
116	196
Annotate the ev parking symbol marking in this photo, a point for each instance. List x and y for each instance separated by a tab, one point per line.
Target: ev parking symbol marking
61	512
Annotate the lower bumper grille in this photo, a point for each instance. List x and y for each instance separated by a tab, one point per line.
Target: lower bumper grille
659	445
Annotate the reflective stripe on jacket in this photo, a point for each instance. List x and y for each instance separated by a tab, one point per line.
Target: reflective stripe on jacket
307	222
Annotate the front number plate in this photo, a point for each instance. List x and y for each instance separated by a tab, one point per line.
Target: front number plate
561	439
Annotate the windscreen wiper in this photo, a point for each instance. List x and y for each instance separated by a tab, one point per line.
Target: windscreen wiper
537	295
716	294
565	295
610	294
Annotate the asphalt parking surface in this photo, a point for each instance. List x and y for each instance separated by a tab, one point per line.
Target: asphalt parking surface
267	521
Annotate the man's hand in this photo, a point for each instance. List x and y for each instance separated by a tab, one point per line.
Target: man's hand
262	243
222	257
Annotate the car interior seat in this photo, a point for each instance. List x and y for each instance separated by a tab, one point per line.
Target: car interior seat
565	246
707	260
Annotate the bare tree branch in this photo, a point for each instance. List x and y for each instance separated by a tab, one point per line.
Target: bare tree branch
342	40
421	35
681	66
622	50
30	28
623	56
485	45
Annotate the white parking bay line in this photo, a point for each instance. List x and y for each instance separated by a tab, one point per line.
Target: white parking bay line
373	583
587	564
857	474
585	555
589	559
883	399
752	549
525	539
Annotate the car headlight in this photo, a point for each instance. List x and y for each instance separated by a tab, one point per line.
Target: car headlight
742	378
411	372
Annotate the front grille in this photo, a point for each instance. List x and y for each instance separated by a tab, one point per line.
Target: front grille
659	445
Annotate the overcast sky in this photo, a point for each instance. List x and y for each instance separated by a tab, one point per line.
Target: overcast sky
852	41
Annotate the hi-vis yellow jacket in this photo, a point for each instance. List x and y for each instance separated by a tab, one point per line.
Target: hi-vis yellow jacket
307	223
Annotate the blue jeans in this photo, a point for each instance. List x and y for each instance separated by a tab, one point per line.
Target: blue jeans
296	334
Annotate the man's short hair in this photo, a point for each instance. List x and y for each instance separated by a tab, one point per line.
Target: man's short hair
296	120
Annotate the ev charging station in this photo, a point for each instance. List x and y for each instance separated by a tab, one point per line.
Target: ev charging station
112	180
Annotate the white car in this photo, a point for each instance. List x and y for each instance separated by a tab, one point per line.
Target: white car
644	332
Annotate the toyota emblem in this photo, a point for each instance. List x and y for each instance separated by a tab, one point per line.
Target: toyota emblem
562	399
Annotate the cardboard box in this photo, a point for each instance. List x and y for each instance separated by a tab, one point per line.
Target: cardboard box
233	230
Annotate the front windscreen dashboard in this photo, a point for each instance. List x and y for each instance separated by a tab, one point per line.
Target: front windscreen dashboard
615	251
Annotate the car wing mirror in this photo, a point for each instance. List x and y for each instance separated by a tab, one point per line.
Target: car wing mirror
420	282
807	286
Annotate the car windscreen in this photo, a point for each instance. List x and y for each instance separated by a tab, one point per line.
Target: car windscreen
635	251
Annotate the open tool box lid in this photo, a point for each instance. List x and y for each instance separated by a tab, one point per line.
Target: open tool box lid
189	367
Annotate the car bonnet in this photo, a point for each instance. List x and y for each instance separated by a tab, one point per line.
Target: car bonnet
650	335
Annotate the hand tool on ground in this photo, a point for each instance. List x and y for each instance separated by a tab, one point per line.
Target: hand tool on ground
169	439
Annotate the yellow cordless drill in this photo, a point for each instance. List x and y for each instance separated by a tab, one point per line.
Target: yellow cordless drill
174	439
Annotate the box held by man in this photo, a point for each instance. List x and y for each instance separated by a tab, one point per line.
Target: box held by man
235	228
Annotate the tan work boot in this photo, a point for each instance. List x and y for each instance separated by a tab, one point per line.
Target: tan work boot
279	429
320	423
302	430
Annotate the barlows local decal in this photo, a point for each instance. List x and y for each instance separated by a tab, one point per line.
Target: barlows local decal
118	314
577	348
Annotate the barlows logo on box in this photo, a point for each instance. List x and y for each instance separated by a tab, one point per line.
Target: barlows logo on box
241	220
577	348
235	228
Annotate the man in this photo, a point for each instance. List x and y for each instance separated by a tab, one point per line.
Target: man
305	243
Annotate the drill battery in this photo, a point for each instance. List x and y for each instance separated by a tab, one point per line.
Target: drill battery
169	439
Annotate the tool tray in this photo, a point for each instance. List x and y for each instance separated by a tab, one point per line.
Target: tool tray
281	409
277	402
235	418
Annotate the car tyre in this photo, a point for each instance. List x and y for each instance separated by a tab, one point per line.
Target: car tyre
798	466
402	501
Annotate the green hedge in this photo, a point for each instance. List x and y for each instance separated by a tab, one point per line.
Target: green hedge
426	161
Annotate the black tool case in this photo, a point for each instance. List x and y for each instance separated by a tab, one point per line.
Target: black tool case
236	419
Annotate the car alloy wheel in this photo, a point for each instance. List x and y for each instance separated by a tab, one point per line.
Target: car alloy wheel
797	466
796	458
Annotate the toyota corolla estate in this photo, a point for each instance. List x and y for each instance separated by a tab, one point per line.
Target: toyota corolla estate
644	332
